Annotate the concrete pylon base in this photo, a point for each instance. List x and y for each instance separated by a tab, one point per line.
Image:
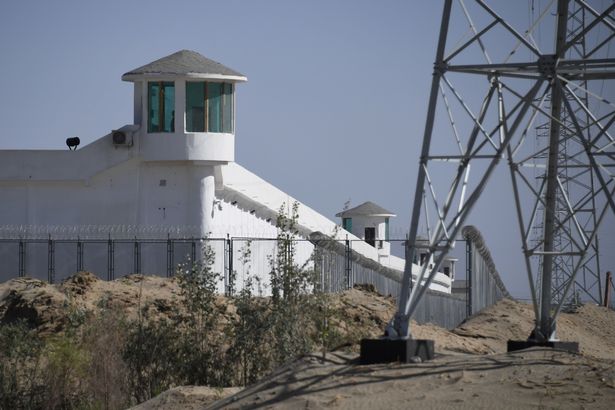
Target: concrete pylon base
514	345
404	351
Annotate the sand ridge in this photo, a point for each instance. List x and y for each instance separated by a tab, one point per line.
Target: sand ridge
471	370
534	378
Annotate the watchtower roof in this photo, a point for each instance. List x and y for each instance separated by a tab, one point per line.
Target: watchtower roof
365	209
184	63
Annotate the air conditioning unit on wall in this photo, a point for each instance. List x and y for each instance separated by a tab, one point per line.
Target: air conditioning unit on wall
121	138
124	137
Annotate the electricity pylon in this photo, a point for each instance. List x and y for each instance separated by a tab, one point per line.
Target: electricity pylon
587	284
490	110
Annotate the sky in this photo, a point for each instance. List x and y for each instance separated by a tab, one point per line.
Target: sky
333	110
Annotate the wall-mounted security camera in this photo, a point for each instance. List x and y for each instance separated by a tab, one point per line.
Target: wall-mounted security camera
73	143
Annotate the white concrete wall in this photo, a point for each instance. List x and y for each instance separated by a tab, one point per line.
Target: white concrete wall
202	146
132	193
237	220
101	184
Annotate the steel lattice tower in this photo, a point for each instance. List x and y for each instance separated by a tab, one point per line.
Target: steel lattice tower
492	86
587	285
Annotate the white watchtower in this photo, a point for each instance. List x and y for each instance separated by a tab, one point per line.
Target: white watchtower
185	106
370	222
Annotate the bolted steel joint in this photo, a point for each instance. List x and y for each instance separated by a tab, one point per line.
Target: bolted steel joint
440	67
547	65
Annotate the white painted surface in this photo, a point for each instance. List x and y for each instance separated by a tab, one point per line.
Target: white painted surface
158	193
162	193
205	146
165	180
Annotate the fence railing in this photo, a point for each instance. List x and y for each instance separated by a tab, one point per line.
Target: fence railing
337	266
484	285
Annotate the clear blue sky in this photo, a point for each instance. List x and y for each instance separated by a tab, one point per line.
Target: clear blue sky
334	108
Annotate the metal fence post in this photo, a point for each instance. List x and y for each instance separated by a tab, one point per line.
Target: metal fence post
607	289
469	277
193	251
348	266
229	285
22	258
79	255
170	256
137	257
50	261
110	259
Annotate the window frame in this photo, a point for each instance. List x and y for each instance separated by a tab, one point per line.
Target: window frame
347	224
161	107
386	229
206	105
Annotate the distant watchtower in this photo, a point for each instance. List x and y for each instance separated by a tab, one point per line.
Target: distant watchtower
369	222
185	106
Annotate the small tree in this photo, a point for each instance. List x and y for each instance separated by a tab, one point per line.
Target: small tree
202	345
151	354
290	287
251	335
21	383
250	329
289	280
104	339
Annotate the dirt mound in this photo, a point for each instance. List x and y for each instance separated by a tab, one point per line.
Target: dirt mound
357	313
472	358
48	308
79	283
535	378
34	301
592	326
187	398
362	313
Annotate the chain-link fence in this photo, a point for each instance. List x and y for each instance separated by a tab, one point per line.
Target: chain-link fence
335	264
484	285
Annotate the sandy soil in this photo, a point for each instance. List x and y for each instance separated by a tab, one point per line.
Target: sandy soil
471	370
187	398
47	307
484	333
535	378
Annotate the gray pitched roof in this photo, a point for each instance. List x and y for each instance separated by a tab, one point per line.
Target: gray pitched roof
184	63
366	209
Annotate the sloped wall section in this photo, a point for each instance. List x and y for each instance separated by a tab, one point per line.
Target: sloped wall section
342	268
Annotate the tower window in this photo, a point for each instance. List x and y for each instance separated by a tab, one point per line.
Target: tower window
370	236
386	229
209	107
423	257
347	224
161	96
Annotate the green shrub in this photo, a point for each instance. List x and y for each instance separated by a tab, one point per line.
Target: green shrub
201	345
249	354
64	373
21	381
104	338
151	355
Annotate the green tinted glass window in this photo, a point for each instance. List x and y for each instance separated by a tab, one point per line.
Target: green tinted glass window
214	104
169	107
227	108
347	224
195	107
209	107
386	229
161	100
